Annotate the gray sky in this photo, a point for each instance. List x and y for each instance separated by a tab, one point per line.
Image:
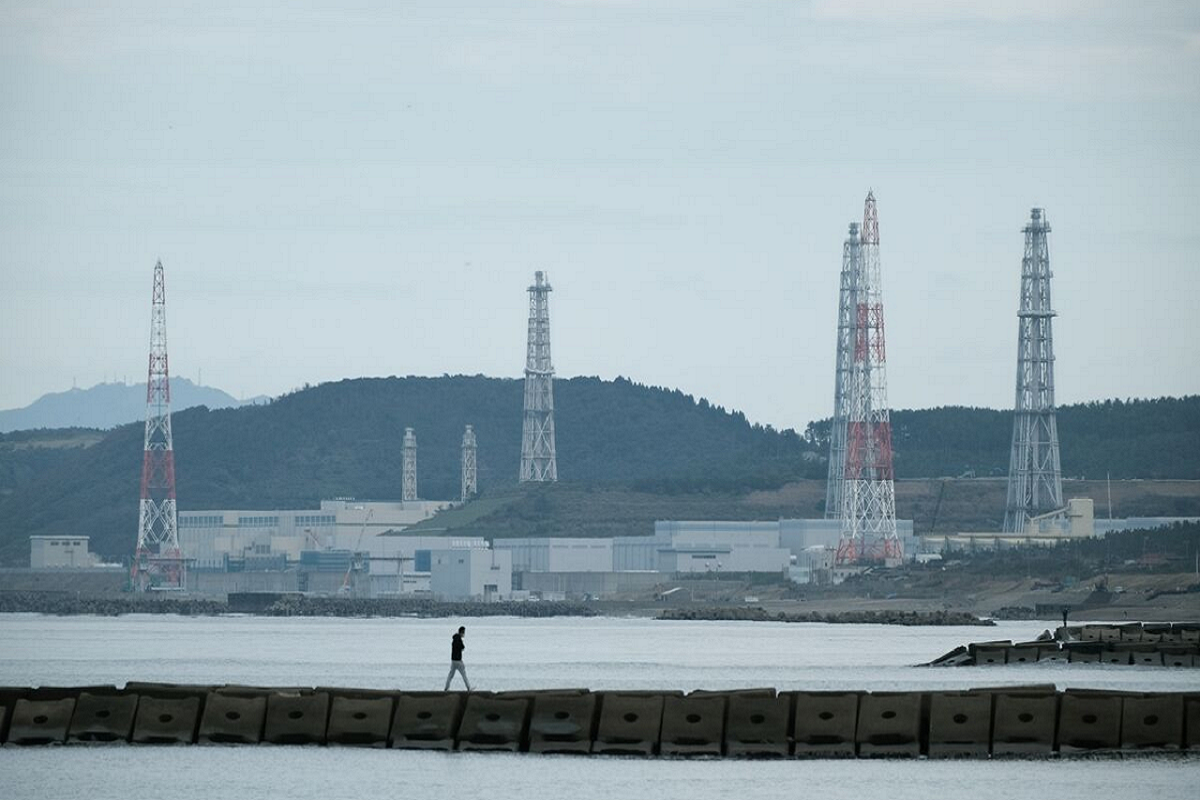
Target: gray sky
349	189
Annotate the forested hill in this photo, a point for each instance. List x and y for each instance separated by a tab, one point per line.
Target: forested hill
344	439
1148	439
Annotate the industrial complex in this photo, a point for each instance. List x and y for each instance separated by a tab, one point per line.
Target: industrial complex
366	548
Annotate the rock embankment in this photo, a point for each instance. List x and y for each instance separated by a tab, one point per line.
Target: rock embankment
291	605
849	617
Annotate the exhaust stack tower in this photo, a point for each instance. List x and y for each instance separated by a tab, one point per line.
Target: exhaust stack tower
470	481
538	462
868	492
158	563
1034	473
410	466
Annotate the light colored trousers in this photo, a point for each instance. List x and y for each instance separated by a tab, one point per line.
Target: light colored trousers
457	666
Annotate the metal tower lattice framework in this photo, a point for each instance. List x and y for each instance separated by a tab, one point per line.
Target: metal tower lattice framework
1034	473
470	482
538	462
868	492
158	562
851	258
409	491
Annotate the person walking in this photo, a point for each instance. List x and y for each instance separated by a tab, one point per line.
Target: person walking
456	662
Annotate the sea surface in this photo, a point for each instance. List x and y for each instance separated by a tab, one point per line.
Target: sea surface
508	653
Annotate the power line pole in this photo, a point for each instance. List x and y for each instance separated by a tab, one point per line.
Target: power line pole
538	461
869	494
1034	473
851	257
158	562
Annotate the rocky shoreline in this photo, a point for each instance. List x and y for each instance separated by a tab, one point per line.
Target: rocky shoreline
837	617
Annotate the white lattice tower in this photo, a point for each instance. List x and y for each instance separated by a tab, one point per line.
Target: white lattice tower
538	461
470	477
1034	472
868	494
410	466
158	562
851	256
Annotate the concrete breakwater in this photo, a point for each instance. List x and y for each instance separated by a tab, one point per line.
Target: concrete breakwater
1029	721
1140	644
280	604
754	614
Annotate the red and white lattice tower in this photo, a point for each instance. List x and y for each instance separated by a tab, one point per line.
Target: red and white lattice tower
868	492
158	562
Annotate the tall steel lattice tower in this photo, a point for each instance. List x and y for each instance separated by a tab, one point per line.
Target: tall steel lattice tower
409	491
470	478
851	258
1034	474
158	562
538	463
868	492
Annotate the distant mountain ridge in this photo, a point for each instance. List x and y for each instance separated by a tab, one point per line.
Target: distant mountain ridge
107	405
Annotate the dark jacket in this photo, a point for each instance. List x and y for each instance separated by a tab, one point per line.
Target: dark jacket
456	647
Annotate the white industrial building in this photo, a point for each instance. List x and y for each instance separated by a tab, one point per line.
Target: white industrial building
1074	521
60	552
215	540
471	574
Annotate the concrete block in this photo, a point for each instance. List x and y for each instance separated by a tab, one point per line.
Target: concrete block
1089	633
989	653
1146	658
1176	657
493	723
9	695
1115	657
1131	632
40	721
1052	654
1153	721
1187	632
1084	656
296	718
889	724
1022	655
169	690
363	721
960	724
693	726
103	718
230	719
61	692
757	725
1089	721
166	720
824	723
1024	723
1191	724
629	724
427	721
1110	633
562	723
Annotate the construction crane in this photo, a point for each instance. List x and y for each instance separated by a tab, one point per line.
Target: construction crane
354	560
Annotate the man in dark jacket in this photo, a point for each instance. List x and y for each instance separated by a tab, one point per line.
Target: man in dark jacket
456	662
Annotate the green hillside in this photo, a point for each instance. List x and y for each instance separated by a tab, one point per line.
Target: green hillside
660	452
344	439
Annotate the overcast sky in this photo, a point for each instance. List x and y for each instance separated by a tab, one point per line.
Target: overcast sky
349	189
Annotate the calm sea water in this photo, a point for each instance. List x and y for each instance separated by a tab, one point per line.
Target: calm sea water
506	653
